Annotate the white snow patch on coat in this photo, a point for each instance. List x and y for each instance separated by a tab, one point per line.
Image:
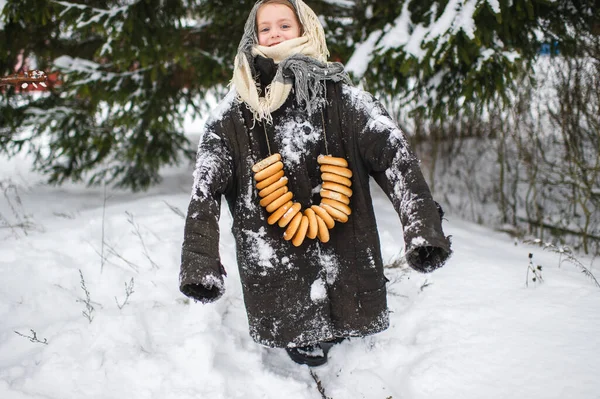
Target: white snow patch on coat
211	154
210	281
379	119
318	291
330	264
294	140
261	253
371	258
208	169
250	202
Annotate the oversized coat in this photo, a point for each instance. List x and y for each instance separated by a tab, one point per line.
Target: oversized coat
295	296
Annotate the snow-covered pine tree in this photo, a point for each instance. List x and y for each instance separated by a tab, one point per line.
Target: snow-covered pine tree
442	55
114	117
129	70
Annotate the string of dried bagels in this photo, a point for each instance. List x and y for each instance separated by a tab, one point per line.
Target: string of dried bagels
313	222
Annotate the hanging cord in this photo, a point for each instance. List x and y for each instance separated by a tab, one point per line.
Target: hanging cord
324	132
267	139
323	117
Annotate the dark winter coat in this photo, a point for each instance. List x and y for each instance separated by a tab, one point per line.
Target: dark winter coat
296	296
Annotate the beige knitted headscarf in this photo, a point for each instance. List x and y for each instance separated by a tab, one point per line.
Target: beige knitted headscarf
303	59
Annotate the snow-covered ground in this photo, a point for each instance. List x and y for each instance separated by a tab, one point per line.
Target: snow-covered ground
469	330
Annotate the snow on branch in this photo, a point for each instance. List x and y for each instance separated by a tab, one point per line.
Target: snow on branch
341	3
110	19
457	16
97	14
412	38
363	54
92	71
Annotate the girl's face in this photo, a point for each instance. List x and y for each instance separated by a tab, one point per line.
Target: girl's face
276	23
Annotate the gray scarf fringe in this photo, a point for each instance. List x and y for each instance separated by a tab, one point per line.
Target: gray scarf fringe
310	78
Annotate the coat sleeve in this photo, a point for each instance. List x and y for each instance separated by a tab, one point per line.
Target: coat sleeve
388	158
201	273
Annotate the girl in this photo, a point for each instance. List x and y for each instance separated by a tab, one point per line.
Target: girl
292	149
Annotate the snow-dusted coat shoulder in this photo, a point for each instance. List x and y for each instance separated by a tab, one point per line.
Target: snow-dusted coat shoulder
296	296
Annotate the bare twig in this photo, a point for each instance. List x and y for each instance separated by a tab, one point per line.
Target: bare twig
128	292
136	230
102	257
176	210
574	261
22	221
565	255
398	263
535	270
319	385
64	215
425	284
33	337
113	251
89	308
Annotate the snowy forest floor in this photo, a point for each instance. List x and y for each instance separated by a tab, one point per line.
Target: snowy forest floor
472	329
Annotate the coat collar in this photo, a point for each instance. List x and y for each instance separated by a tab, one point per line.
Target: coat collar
265	69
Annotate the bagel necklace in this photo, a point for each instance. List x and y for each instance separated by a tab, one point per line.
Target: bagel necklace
317	220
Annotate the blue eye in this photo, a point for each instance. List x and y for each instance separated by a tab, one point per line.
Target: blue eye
264	30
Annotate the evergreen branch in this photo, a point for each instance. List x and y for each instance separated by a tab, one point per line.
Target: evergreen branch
97	13
94	72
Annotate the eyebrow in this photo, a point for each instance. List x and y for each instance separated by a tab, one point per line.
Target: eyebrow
278	21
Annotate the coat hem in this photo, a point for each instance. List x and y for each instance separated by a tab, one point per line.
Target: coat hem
380	324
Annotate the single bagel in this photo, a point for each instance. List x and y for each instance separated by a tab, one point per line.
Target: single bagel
313	227
292	227
337	205
269	171
260	165
323	233
329	160
273	196
324	215
338	170
268	190
337	215
289	215
270	180
329	185
279	201
301	232
335	196
335	178
275	216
